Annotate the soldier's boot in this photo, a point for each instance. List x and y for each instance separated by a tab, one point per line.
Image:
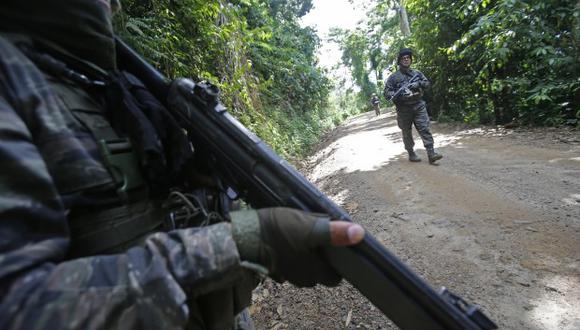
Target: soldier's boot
433	155
413	156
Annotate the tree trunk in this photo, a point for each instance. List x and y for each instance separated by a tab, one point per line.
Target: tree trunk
405	30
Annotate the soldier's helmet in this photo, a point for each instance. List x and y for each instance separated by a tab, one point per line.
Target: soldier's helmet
403	52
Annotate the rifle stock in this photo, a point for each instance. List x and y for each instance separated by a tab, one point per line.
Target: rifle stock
264	179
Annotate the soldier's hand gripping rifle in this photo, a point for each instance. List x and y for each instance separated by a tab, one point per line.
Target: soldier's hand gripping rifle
404	90
263	179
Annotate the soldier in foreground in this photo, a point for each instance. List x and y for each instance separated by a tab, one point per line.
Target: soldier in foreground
405	88
91	190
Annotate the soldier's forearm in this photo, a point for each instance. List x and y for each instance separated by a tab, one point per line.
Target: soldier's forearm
149	280
424	82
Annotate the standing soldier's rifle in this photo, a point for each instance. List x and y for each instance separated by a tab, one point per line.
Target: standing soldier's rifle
263	179
404	88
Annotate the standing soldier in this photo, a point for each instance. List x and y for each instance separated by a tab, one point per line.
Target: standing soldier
405	87
375	102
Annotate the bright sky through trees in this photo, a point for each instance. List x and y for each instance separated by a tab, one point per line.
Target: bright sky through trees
326	14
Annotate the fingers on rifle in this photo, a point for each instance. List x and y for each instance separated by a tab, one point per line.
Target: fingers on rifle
344	233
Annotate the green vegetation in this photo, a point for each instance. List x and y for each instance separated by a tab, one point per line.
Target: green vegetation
490	61
254	50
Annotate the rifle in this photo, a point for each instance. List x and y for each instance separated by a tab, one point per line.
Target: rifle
251	168
405	87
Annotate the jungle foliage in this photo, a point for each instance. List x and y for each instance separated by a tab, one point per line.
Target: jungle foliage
255	50
490	61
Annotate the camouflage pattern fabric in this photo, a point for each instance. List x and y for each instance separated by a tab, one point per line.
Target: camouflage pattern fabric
46	159
407	117
401	77
410	111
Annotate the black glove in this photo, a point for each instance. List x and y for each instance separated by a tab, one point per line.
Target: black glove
414	85
406	94
287	242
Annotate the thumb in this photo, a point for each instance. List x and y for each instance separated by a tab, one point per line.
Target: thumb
344	233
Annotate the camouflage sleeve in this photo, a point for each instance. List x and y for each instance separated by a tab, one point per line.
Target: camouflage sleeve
145	287
390	88
423	81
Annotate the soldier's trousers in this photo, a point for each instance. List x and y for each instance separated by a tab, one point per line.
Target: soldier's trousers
414	115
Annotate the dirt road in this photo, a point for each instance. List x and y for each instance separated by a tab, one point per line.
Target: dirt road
498	222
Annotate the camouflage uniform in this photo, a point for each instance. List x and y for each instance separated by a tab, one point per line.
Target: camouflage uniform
48	161
375	102
411	110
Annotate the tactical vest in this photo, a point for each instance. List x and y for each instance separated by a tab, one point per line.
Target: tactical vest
123	205
105	215
112	227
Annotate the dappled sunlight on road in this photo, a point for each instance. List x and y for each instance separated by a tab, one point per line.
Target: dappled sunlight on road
497	222
486	131
572	159
573	199
551	312
441	140
362	149
341	197
368	143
